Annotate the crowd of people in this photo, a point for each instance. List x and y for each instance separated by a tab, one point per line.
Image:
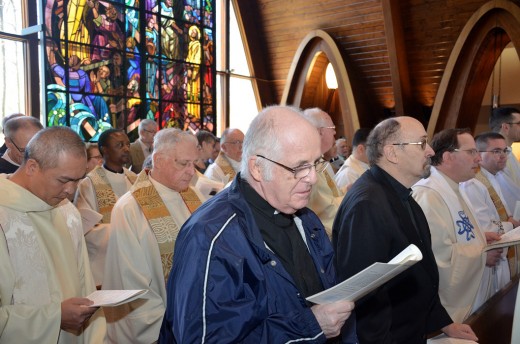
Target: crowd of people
229	236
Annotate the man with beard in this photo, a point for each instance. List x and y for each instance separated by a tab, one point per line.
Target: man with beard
99	191
377	219
457	240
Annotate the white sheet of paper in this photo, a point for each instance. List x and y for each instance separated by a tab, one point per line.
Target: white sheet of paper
369	279
112	298
444	339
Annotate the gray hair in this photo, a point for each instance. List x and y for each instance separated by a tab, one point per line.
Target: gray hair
146	123
385	131
316	117
263	137
49	144
22	122
167	139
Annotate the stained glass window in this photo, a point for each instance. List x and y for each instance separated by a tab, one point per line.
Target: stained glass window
112	63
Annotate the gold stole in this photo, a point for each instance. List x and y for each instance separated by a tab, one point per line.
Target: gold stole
494	196
224	164
331	184
105	196
163	225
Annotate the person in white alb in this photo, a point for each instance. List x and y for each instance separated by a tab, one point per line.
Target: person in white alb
457	240
144	227
325	195
357	162
506	121
99	191
485	198
227	163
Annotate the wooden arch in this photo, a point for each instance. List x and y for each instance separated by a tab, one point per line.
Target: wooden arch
315	51
471	63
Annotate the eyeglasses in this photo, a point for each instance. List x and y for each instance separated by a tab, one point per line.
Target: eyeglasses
473	152
421	143
513	123
21	150
331	127
237	142
150	131
300	171
498	151
99	157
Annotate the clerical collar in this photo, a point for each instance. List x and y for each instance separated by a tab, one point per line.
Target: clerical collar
402	191
111	170
263	207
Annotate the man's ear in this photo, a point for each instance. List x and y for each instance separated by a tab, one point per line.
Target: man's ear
390	154
31	167
254	169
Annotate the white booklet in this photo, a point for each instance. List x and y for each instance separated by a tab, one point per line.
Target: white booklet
444	339
112	298
508	239
369	279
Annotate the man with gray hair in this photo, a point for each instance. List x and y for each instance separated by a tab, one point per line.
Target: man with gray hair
141	148
144	227
247	259
378	219
325	196
227	163
17	131
43	259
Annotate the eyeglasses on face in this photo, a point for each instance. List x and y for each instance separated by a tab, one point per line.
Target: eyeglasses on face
331	127
237	142
300	171
498	151
421	143
185	163
513	123
473	152
21	150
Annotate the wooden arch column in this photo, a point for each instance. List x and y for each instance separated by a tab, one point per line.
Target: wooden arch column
471	63
310	61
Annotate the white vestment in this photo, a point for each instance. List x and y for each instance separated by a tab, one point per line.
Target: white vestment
216	173
43	261
135	263
323	200
97	237
513	168
457	243
351	170
485	213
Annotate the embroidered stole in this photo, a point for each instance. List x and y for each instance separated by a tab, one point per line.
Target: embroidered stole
162	223
332	185
105	196
224	164
494	196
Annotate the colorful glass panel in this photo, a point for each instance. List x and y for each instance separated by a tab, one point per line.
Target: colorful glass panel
113	63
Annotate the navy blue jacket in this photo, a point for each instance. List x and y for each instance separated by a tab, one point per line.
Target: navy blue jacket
226	287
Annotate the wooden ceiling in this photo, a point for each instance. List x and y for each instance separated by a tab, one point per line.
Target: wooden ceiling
396	51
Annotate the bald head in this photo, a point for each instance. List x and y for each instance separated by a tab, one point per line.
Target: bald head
326	128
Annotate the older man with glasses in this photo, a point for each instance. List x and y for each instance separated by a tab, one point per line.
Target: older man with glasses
247	259
18	132
145	224
457	238
227	164
378	219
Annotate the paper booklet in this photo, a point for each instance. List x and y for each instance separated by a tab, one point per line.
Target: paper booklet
112	298
508	239
89	219
369	279
444	339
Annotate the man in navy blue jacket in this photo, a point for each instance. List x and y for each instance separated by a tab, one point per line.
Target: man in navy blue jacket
246	260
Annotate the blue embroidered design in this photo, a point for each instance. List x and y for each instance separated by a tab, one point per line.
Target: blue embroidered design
465	226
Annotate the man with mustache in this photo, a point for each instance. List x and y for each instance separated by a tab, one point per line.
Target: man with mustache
377	219
246	259
99	191
457	240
